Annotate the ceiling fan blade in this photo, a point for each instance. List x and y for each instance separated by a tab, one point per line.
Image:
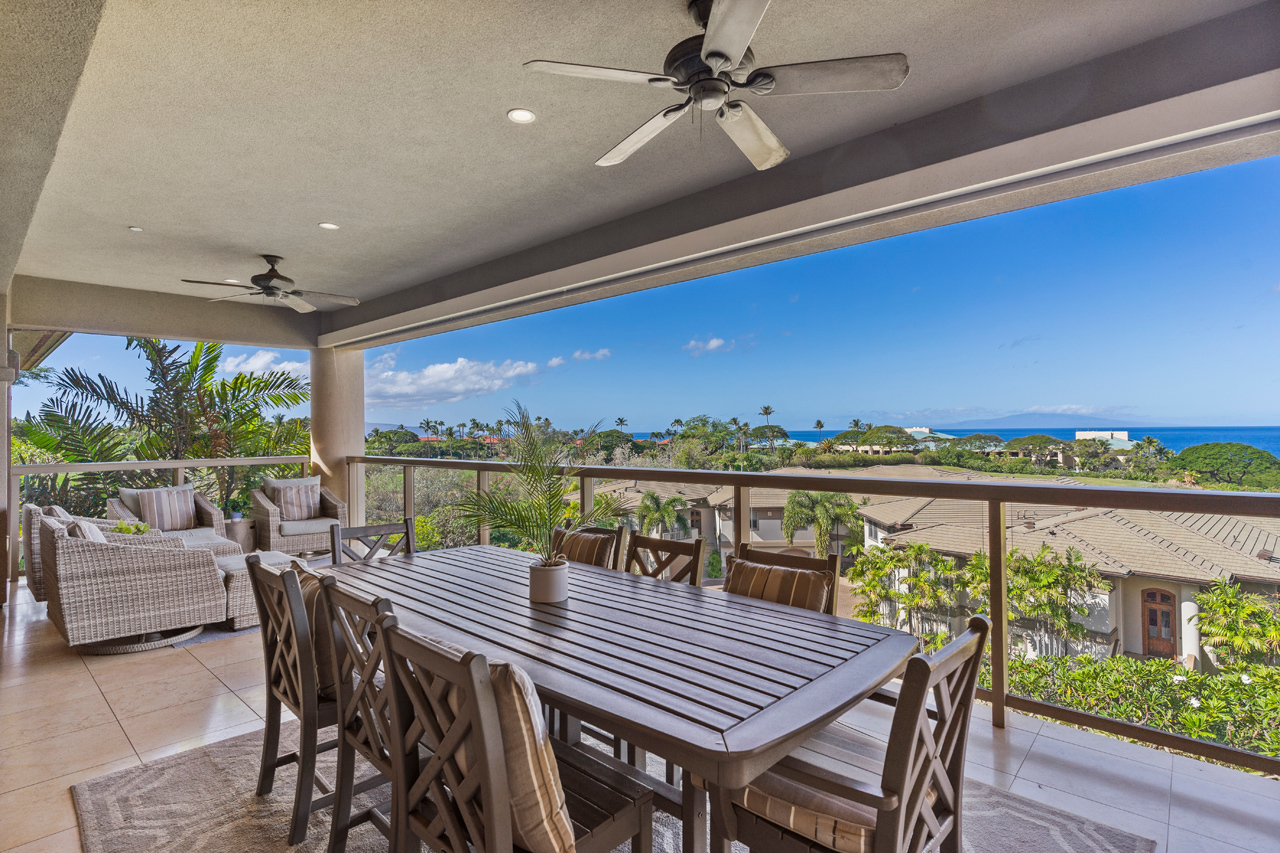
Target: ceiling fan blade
749	132
729	31
332	297
233	296
219	283
643	134
296	303
595	72
832	76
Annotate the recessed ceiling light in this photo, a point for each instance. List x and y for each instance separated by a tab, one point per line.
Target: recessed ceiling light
135	228
328	226
231	281
521	116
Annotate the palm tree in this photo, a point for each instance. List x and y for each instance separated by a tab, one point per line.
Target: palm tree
858	425
823	511
654	515
818	425
765	412
620	423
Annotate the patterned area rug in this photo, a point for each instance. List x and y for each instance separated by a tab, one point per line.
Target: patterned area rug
202	801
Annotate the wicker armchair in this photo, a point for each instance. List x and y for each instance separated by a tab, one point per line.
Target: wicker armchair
295	537
210	532
31	515
127	586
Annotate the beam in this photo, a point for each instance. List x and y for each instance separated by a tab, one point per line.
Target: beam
44	55
1140	114
72	306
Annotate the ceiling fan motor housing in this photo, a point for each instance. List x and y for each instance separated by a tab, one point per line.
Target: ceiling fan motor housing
708	89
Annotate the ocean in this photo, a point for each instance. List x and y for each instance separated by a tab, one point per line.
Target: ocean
1176	439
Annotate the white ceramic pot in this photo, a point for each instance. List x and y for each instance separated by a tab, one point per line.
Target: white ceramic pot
548	584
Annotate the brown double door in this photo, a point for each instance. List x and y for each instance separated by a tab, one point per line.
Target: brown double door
1158	638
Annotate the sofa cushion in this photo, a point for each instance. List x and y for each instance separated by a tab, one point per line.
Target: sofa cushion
298	502
270	484
797	587
86	530
171	508
236	563
833	822
308	526
193	533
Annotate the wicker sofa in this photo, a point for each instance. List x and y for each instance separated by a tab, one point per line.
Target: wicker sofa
31	515
136	585
295	537
210	532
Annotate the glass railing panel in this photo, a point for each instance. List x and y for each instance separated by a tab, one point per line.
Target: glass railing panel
437	521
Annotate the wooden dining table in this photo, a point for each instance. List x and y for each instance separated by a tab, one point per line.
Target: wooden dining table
721	685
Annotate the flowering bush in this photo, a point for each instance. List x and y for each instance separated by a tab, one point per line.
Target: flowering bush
1238	707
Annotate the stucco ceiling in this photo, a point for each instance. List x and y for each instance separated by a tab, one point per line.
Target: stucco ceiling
229	128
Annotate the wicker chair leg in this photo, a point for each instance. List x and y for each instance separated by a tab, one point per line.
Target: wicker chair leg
340	826
239	623
270	747
306	783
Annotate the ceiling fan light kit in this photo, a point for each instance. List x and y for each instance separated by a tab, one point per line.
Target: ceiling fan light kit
278	289
709	69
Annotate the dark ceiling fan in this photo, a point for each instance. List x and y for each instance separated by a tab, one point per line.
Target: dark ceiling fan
713	67
272	285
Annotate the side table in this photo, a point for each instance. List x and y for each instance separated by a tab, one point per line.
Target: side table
242	532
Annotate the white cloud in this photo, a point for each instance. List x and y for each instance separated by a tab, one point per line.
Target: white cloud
448	382
598	355
696	347
555	362
263	361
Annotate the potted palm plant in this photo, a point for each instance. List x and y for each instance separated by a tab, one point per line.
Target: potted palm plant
545	482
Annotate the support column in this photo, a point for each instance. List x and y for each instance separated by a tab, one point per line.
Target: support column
337	425
10	505
1188	610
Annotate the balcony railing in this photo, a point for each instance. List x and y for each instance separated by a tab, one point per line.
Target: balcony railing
996	495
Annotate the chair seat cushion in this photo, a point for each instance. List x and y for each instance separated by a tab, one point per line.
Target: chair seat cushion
236	563
830	821
203	538
193	533
307	526
797	587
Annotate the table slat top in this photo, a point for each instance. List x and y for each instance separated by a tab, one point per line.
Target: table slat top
708	674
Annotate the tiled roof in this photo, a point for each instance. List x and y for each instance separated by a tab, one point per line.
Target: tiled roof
630	491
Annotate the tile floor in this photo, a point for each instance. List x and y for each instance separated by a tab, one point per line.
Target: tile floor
66	717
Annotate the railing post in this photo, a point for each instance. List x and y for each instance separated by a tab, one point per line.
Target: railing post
14	535
482	486
179	476
741	516
998	594
586	494
355	494
410	499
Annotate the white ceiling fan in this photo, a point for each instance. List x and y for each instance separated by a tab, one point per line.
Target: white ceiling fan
711	69
278	288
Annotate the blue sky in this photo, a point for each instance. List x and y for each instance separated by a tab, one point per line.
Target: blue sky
1157	303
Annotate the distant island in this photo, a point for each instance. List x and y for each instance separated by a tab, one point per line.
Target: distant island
1047	420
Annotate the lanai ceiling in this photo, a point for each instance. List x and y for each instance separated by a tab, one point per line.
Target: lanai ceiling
227	128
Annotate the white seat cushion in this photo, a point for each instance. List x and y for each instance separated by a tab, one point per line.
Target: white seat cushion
192	533
275	559
306	526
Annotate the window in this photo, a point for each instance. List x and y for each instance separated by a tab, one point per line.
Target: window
755	520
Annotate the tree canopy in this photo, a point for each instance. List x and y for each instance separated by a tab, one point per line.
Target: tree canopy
978	442
889	437
1226	461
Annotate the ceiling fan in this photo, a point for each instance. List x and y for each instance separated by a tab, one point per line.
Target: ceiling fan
710	69
272	285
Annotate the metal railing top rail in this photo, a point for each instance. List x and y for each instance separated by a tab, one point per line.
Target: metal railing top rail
152	465
1259	504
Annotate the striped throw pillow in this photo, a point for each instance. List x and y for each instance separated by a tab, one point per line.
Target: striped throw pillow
168	509
58	513
796	587
298	503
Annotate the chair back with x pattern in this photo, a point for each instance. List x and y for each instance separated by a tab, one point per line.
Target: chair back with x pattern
680	562
925	759
455	797
286	638
377	540
364	700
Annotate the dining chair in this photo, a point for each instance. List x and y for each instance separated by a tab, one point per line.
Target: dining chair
369	542
809	582
680	562
288	647
363	704
595	546
491	779
846	791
